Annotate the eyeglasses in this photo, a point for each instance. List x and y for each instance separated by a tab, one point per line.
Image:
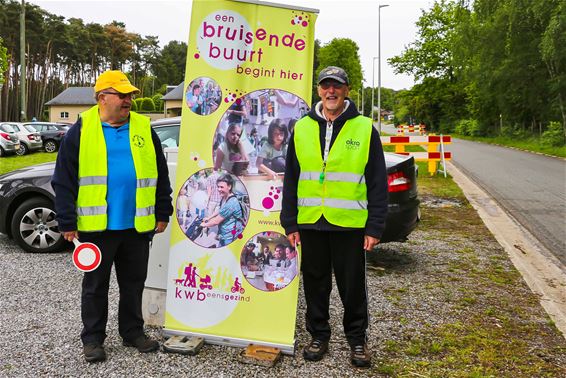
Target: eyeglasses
120	95
328	84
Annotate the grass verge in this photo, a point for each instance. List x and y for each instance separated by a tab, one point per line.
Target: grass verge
13	162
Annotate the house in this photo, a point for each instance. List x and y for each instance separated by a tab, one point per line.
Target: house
67	106
173	101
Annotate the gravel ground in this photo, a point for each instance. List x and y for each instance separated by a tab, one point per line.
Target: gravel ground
439	280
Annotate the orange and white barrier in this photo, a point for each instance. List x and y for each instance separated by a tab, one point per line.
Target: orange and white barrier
432	154
402	129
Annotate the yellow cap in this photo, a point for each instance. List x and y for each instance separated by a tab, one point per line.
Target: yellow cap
116	80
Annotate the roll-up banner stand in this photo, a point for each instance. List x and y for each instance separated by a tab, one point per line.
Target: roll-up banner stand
233	277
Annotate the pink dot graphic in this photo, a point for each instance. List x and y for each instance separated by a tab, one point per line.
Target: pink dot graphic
267	203
305	24
276	196
197	55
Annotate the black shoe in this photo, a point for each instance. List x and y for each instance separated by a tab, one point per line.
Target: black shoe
143	344
94	352
360	356
315	350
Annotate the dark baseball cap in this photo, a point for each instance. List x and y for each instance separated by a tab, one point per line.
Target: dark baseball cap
333	72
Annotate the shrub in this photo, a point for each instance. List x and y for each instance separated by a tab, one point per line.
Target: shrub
553	136
147	105
134	107
468	127
158	102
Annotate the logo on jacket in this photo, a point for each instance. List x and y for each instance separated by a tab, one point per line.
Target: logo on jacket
138	141
352	144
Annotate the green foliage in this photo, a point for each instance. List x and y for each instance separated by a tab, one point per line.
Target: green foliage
159	104
342	52
138	103
134	107
553	136
501	63
3	62
147	105
469	127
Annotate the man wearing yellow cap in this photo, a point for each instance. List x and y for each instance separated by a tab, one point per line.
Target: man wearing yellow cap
112	189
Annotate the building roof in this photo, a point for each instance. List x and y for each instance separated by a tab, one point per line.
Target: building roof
74	96
175	94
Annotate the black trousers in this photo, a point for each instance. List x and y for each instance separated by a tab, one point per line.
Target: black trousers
322	252
129	252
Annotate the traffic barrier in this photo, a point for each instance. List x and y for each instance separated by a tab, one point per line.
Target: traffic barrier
432	155
402	129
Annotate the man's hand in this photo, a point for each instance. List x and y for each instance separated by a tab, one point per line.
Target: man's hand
161	226
70	235
294	238
370	242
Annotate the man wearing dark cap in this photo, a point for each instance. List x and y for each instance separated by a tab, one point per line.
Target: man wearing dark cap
335	205
112	189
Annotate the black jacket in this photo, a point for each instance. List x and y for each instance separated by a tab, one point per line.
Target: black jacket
65	181
375	176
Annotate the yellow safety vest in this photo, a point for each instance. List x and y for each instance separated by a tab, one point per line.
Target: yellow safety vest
341	195
93	173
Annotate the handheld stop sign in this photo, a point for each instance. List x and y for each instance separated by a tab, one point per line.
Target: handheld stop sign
86	256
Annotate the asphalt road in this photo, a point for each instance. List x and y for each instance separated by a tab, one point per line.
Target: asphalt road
531	187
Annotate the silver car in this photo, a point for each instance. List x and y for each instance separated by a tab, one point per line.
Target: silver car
9	142
30	140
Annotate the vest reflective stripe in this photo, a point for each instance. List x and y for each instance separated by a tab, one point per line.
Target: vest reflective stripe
334	176
145	211
334	203
92	210
93	180
341	197
93	173
145	183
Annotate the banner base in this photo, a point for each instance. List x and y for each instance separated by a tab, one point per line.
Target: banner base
233	342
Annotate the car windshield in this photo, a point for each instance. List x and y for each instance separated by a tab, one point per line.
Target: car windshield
168	135
7	128
30	128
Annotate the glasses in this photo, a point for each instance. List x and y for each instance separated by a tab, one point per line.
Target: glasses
334	84
120	95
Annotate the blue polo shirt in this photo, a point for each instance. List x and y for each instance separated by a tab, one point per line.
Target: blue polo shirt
121	195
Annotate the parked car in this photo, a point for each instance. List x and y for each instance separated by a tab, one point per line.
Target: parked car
51	134
9	142
30	140
27	213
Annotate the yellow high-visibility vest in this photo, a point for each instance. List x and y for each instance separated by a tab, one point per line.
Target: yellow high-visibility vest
92	214
340	194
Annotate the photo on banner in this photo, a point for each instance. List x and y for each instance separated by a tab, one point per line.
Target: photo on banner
248	79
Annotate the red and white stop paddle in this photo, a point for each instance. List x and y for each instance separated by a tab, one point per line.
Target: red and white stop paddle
86	256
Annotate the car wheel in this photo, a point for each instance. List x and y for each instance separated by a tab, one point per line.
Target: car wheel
22	150
34	227
50	146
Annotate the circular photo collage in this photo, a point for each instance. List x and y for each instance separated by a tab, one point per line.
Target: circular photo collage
252	136
203	95
269	262
213	208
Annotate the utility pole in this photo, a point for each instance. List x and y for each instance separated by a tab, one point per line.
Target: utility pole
379	66
23	108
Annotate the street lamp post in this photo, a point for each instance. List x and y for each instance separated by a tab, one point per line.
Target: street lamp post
372	86
362	97
379	66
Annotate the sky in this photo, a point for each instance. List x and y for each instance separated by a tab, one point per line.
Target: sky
357	20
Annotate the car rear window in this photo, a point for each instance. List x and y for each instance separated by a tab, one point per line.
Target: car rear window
30	128
8	128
